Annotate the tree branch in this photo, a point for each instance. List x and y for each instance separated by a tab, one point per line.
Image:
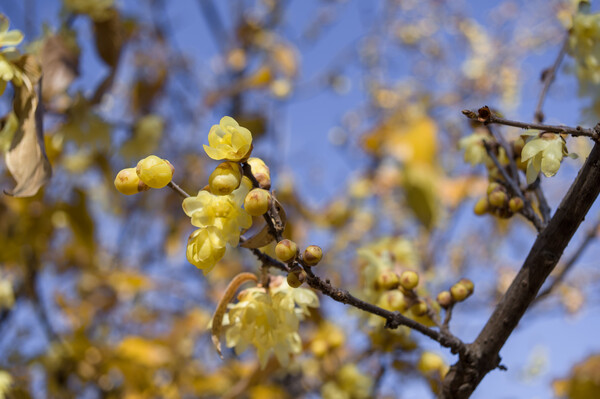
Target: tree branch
483	355
548	76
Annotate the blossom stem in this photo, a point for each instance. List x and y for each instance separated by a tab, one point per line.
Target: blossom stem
178	190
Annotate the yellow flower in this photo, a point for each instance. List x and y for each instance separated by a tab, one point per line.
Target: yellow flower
474	150
5	383
543	153
269	320
228	140
584	46
205	248
154	171
224	212
8	40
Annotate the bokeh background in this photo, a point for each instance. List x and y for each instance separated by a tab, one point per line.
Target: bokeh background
341	96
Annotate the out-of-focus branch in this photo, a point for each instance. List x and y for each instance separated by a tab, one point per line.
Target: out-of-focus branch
548	76
589	237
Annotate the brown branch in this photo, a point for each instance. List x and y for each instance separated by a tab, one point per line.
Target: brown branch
485	116
266	260
548	76
393	319
482	355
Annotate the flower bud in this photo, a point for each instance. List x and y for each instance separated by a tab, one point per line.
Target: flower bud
431	363
257	202
312	255
295	279
286	250
459	292
387	280
225	178
128	182
444	298
516	204
260	171
493	186
392	300
498	199
419	309
409	279
481	206
468	285
154	171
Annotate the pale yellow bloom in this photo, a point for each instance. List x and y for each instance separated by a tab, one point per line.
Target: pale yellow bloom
543	153
5	383
205	248
584	46
474	150
228	140
269	320
224	212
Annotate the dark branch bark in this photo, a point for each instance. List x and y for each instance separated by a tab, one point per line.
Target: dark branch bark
483	355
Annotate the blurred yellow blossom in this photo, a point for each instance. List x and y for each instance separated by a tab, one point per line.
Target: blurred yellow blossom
473	145
8	40
350	383
269	320
228	140
5	383
7	296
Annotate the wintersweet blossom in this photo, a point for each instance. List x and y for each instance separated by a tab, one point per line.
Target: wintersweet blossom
228	140
474	150
269	320
223	212
205	248
543	153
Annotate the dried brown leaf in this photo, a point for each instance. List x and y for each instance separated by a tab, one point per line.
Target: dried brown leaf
26	159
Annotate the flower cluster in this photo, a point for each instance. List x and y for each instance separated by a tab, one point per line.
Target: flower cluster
584	46
220	219
268	319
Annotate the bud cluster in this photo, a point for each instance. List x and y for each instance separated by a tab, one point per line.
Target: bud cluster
457	293
150	172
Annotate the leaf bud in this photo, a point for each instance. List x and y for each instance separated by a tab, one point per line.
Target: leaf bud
225	178
154	171
260	171
312	255
286	250
257	202
409	279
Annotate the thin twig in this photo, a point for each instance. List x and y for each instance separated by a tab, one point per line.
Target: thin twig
544	207
178	190
490	118
548	77
509	154
589	237
527	210
266	260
